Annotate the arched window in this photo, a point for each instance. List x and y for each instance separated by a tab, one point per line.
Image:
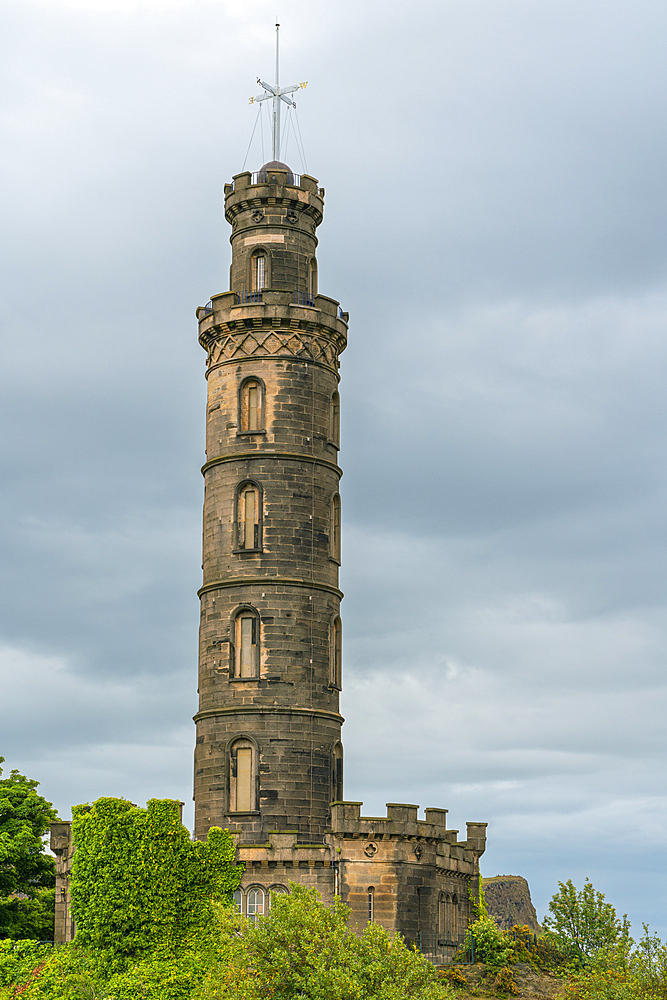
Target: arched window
248	518
454	922
335	528
258	270
244	647
334	420
312	278
251	406
337	773
255	904
442	917
238	900
371	903
242	768
336	654
277	890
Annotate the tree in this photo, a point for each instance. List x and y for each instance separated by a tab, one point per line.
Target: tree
585	920
27	873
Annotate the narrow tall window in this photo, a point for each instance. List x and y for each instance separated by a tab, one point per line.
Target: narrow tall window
441	916
248	520
247	644
241	777
312	278
238	900
336	655
371	904
258	272
334	430
335	528
251	406
337	774
244	648
255	904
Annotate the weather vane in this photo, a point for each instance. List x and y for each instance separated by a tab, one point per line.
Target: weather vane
277	94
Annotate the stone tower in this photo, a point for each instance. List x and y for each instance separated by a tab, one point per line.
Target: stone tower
268	756
268	752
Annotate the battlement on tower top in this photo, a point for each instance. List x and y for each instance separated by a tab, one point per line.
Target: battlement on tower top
276	187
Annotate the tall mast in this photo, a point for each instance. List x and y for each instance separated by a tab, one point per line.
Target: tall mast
276	102
277	94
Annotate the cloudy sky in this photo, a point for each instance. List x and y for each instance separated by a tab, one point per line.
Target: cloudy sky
496	177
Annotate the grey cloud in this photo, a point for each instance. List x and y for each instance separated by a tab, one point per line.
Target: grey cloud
495	225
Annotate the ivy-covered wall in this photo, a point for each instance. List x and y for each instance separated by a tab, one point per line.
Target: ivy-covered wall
138	883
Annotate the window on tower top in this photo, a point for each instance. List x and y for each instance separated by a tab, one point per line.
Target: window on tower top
312	278
258	272
251	406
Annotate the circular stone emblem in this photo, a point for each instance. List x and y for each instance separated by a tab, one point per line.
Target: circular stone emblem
370	850
419	852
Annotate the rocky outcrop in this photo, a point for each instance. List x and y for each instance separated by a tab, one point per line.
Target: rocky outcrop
508	901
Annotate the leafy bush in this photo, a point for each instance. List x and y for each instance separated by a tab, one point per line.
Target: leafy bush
304	949
504	981
489	945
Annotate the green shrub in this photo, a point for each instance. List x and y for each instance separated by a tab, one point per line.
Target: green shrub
504	981
304	949
490	945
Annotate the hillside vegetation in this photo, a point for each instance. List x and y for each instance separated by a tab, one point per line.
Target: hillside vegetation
156	921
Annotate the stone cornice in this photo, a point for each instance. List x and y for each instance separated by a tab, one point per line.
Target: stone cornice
267	581
209	713
285	456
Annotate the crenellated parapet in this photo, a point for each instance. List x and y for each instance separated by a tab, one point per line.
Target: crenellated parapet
401	835
410	875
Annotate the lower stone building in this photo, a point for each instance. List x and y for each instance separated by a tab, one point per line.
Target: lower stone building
412	876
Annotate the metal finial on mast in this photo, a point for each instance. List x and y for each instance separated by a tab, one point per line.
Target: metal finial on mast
277	94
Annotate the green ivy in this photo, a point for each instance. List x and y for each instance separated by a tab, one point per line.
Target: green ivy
138	884
477	897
